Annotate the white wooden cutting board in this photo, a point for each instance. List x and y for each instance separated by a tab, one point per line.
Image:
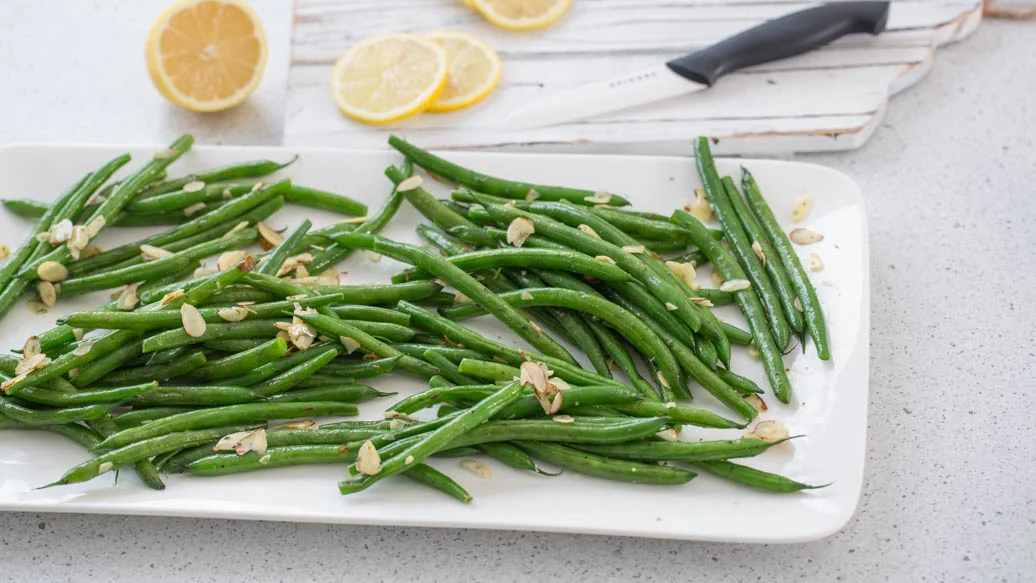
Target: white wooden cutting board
831	99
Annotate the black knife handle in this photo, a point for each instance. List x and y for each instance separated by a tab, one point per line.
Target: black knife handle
784	37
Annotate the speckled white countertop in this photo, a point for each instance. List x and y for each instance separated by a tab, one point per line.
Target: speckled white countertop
951	458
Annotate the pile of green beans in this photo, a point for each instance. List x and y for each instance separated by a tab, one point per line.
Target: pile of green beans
189	377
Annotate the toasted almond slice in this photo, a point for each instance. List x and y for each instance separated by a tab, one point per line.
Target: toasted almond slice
52	271
48	295
61	232
758	250
89	251
32	347
519	230
525	296
34	362
701	209
5	252
589	231
301	272
753	351
769	430
191	210
78	333
367	459
605	259
634	249
203	271
671	306
735	285
460	298
193	322
128	298
409	459
801	208
350	344
410	184
600	197
663	380
193	186
716	278
756	402
531	195
233	313
230	259
668	435
703	302
237	227
563	419
150	252
372	256
296	425
83	348
815	262
798	304
95	226
803	236
478	468
171	296
268	237
301	335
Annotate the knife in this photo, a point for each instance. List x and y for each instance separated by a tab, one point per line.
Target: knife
787	36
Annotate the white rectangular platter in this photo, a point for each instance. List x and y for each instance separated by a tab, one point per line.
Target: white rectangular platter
829	405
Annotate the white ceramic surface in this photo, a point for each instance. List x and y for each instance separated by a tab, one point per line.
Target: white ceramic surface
829	405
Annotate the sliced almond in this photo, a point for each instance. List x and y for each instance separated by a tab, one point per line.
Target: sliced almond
354	220
78	333
268	237
410	459
89	251
171	297
753	351
52	271
77	241
128	298
703	302
663	380
83	348
243	442
701	209
372	256
668	435
600	197
756	402
230	259
193	323
801	208
203	271
410	184
95	226
803	236
367	459
634	249
237	227
330	276
525	296
798	304
758	250
151	253
589	231
5	252
671	306
815	262
32	347
716	278
735	285
350	344
193	186
48	295
519	230
478	468
769	430
233	313
605	259
191	210
460	298
563	419
531	195
61	232
301	272
301	335
30	364
305	424
105	467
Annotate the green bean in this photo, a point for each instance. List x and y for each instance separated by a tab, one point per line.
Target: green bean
197	396
28	416
527	258
621	357
229	345
466	284
660	287
737	382
228	212
495	186
436	439
294	375
607	468
141	416
682	451
574	216
272	262
581	430
361	294
747	299
459	336
451	352
153	269
719	193
235	171
179	337
716	297
328	201
441	240
180	199
120	196
346	393
447	368
438	395
219	416
275	457
641	227
340	329
679	414
528	406
113	359
321	380
813	314
91	396
25	207
338	252
736	335
426	204
141	450
144	321
182	365
488	370
371	313
235	296
695	258
752	477
363	369
638	333
145	470
511	455
439	382
706	352
272	369
240	363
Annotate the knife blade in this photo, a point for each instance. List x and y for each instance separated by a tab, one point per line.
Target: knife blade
787	36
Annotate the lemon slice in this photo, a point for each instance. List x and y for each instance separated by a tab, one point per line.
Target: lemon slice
474	70
388	77
207	55
520	14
